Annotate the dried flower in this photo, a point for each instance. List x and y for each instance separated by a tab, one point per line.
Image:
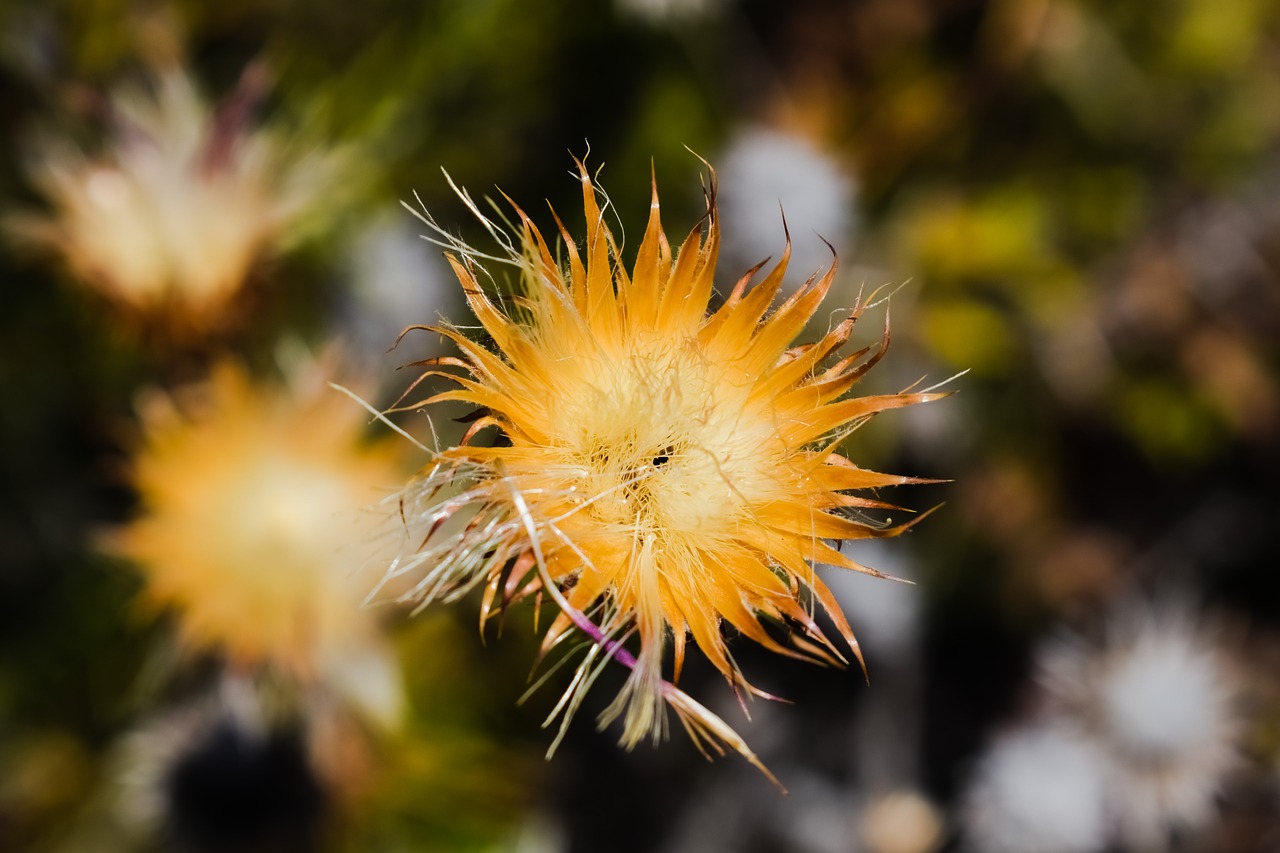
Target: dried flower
168	218
1161	699
225	771
661	470
251	525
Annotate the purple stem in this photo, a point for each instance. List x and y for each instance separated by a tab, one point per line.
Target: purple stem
232	117
613	648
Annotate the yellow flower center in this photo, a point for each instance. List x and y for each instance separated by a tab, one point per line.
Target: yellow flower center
657	440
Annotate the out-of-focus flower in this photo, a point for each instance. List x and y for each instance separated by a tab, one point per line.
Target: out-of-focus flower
395	276
1038	789
764	169
662	471
733	814
263	763
168	218
1160	699
251	525
225	772
901	822
886	615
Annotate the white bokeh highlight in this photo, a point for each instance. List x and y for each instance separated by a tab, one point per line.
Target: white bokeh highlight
764	174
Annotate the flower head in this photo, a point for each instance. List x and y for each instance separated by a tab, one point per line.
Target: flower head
226	770
169	218
1161	699
663	471
251	526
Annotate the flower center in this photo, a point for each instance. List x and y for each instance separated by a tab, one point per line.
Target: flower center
661	444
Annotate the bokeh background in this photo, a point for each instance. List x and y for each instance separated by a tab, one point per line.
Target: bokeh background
1074	201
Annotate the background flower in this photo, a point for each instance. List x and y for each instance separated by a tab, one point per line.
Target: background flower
255	526
168	219
1039	789
766	175
1161	699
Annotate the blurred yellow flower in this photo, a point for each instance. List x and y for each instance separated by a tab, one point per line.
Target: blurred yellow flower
251	525
661	471
168	218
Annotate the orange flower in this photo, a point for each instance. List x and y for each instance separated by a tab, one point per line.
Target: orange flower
252	527
663	470
168	219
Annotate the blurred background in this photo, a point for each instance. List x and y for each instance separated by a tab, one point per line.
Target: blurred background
1077	202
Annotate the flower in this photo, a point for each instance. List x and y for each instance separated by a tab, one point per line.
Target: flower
251	526
168	219
226	771
901	821
1040	788
662	471
1161	700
